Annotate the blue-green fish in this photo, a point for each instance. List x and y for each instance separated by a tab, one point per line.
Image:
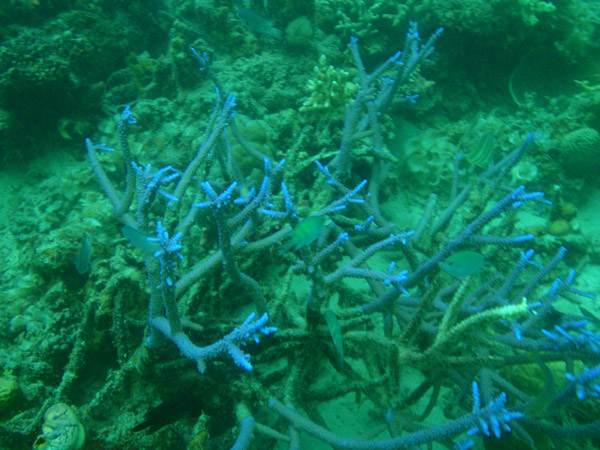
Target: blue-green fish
257	22
82	263
463	264
304	233
139	239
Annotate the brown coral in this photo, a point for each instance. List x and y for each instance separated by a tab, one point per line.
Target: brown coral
580	153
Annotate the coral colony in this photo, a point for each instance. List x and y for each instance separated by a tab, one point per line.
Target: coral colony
470	335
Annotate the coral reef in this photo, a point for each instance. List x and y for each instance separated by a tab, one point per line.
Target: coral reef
270	225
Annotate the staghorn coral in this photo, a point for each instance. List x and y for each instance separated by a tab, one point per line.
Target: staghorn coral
364	19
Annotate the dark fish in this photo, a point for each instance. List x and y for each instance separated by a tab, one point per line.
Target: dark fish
333	325
257	22
180	405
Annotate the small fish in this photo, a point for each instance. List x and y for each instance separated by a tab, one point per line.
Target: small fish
257	22
333	325
482	152
304	233
139	239
463	264
82	263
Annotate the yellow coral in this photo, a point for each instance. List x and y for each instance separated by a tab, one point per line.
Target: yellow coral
330	89
9	393
61	430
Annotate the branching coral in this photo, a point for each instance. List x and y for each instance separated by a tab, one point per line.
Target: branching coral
329	90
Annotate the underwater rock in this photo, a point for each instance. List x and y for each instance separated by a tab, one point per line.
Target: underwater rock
559	227
567	211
